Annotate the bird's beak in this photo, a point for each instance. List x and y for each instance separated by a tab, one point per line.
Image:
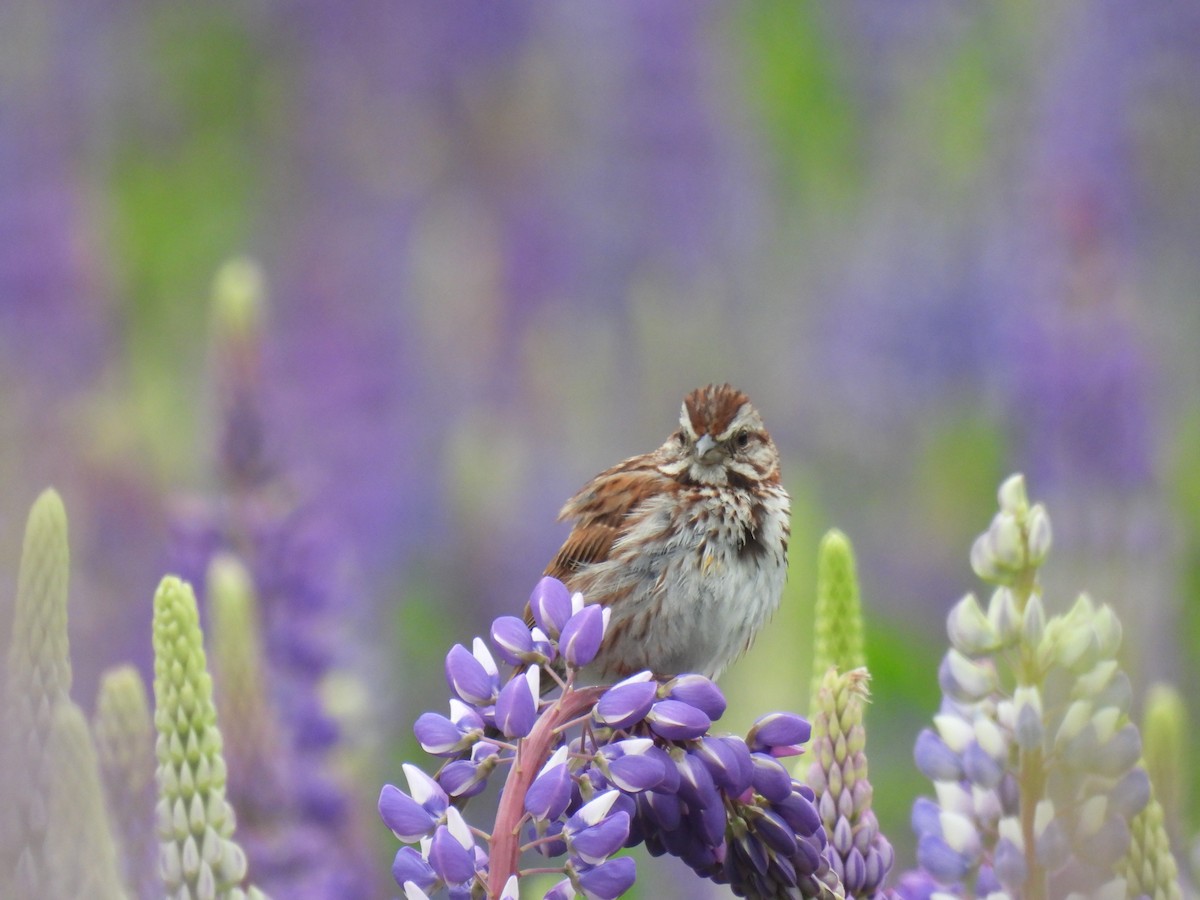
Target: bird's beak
708	451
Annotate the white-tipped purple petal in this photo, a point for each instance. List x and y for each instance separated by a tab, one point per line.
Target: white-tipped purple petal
798	811
464	715
409	865
581	635
516	707
934	759
438	735
775	833
512	640
725	764
453	862
778	730
633	773
594	810
412	891
468	677
939	860
564	890
770	778
550	604
608	880
406	818
626	702
550	793
463	778
425	790
510	890
980	768
598	842
677	721
700	692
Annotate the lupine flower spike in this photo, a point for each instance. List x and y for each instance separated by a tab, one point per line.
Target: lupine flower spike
198	856
1033	757
38	681
591	770
124	736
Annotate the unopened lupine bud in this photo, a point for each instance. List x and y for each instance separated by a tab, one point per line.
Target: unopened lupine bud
550	604
627	702
970	631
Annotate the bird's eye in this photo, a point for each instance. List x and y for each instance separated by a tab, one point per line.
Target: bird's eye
681	438
742	440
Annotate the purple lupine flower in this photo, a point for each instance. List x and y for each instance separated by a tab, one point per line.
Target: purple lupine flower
644	770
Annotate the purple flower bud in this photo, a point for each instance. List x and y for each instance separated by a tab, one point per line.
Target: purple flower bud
798	811
410	865
548	796
564	890
926	817
1109	843
779	731
441	737
551	829
696	786
677	721
770	778
980	767
1130	795
469	677
725	764
513	640
934	759
772	830
712	820
626	702
854	872
516	707
633	773
406	818
661	808
1052	845
698	691
581	635
550	603
1119	753
464	778
938	859
452	850
608	880
598	842
1008	862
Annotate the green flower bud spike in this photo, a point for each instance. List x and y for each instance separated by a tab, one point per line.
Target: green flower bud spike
38	680
1165	733
838	624
251	734
199	859
124	736
81	857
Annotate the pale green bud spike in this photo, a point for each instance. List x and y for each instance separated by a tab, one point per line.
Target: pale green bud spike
250	731
38	680
81	858
124	736
838	622
190	765
1164	746
1149	867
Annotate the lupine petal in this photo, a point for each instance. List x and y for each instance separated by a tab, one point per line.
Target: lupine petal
633	773
626	702
468	678
512	639
406	818
596	843
677	721
425	790
934	759
453	862
564	890
462	778
438	735
410	865
778	730
550	793
581	635
936	857
550	604
516	707
700	692
770	778
608	880
798	811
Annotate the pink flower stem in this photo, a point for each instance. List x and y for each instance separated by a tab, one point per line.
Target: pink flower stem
532	753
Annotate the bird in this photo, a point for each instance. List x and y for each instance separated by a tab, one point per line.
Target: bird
685	545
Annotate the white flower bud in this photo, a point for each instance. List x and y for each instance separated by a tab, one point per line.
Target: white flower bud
1037	528
1079	715
1003	617
973	680
1108	631
959	832
1010	830
1092	814
968	627
1091	683
991	739
954	730
1033	621
1029	728
1012	496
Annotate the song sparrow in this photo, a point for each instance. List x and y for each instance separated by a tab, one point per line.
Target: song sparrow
686	545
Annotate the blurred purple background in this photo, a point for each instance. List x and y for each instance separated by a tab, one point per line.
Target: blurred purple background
935	243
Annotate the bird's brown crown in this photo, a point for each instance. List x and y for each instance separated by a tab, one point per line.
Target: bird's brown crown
711	410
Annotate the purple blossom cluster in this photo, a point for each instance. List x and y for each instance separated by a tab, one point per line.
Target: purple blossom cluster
592	770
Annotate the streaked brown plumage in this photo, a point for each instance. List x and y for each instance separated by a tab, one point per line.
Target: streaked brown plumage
686	545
